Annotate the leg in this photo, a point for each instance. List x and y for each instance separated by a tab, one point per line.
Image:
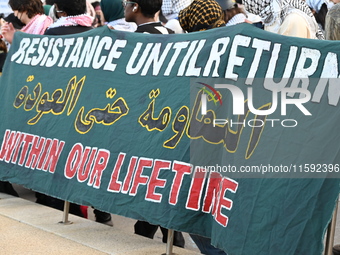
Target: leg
6	187
178	237
146	229
204	245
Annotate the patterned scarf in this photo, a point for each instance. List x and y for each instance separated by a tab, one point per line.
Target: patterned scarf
37	25
263	8
84	20
271	10
201	15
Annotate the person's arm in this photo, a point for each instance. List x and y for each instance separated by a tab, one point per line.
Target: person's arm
8	31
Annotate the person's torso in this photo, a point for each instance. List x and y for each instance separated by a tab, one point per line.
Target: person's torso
153	28
67	30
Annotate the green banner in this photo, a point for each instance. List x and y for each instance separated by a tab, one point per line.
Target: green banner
228	133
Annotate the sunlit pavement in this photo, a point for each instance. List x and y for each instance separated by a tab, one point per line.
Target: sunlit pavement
30	228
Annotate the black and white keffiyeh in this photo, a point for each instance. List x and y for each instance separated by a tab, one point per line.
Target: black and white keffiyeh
273	10
173	7
263	8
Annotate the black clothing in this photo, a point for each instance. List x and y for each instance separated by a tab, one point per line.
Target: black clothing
148	230
6	187
57	204
2	60
101	217
66	30
153	28
16	22
144	228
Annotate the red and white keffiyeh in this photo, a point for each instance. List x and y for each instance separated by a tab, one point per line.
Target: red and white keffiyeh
79	20
37	25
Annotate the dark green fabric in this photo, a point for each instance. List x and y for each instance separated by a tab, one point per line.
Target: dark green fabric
83	114
112	9
47	9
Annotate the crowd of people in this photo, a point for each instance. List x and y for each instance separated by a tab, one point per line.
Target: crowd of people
313	19
299	18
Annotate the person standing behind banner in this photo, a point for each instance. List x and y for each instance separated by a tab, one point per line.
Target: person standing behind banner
170	10
143	13
332	32
332	27
89	10
28	17
29	12
286	17
232	13
319	9
201	15
113	11
72	19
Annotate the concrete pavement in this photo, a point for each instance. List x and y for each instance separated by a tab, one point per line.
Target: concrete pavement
30	228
